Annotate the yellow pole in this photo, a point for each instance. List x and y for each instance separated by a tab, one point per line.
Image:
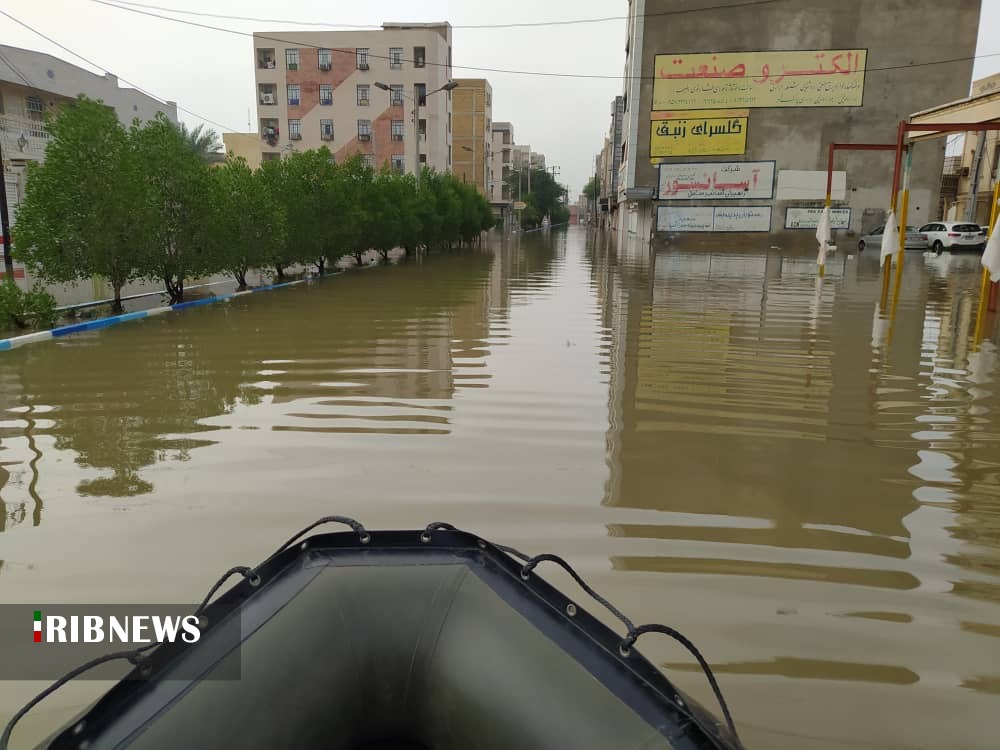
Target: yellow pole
984	284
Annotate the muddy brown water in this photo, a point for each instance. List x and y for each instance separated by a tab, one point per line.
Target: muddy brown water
715	439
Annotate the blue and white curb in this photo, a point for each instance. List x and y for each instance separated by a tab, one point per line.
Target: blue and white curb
95	325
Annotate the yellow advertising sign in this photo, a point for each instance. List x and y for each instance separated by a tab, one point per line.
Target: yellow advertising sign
807	78
699	134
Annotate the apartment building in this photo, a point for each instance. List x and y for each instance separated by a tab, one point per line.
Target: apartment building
33	84
471	137
501	161
378	93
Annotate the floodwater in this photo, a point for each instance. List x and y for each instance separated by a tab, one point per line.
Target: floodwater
715	439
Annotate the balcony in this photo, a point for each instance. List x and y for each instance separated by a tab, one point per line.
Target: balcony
269	131
325	66
362	102
23	138
363	66
295	136
397	136
266	59
364	136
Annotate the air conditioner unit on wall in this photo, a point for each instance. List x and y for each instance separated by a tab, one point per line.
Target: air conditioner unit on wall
324	66
267	98
362	66
364	137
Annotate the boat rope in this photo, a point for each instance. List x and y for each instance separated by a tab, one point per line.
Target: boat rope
532	563
634	634
135	657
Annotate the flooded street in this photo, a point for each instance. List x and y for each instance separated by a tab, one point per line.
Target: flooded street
714	439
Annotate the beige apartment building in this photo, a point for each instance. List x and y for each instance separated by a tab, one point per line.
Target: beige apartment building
356	92
502	136
471	137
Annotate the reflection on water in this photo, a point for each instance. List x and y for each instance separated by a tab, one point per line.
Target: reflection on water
719	441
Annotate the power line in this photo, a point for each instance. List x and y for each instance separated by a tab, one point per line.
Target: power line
105	70
15	70
515	25
542	74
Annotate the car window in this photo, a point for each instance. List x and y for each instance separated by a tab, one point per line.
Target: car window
927	228
966	227
878	230
911	229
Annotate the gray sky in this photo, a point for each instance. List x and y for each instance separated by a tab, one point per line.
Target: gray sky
211	73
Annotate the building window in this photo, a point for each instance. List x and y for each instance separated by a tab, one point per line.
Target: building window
36	113
368	160
292	59
364	130
325	93
395	58
398	164
293	93
420	89
423	158
422	128
397	130
395	95
363	95
326	130
295	129
489	99
419	57
325	59
362	57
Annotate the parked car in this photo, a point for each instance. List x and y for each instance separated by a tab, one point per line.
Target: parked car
915	240
954	235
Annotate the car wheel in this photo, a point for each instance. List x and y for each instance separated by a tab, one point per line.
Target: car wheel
861	246
937	246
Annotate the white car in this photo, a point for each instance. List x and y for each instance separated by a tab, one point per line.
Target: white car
953	235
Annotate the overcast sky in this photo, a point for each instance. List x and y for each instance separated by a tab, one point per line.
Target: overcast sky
211	73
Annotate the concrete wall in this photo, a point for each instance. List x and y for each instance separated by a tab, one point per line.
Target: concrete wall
344	77
896	33
246	145
472	125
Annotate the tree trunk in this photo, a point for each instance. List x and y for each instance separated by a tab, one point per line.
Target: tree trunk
116	306
357	258
321	265
175	289
384	254
279	272
240	274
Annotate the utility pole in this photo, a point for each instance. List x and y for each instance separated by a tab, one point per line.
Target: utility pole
416	131
8	259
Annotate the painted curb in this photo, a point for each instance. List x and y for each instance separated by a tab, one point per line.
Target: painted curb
95	325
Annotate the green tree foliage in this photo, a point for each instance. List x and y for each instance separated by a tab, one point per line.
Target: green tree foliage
593	188
203	143
177	209
247	222
35	308
143	202
78	218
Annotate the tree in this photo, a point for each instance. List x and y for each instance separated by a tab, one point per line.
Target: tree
177	207
246	221
203	143
350	210
80	215
593	188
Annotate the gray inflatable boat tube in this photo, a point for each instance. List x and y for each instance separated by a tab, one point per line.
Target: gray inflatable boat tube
409	640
